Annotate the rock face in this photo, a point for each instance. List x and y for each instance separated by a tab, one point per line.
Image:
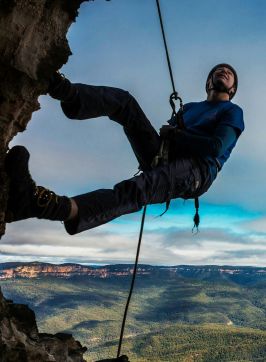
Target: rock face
33	45
21	341
15	270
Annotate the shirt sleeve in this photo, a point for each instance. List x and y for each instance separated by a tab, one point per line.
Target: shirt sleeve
185	143
233	117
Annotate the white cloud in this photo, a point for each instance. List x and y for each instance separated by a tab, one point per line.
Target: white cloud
257	225
117	242
72	157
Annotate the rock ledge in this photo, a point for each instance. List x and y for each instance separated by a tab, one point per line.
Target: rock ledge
21	341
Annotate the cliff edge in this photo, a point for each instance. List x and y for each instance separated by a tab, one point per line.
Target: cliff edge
21	341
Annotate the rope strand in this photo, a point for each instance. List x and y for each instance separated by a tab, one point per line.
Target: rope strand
175	96
166	47
132	282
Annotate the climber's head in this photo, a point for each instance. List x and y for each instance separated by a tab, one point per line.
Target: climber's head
222	79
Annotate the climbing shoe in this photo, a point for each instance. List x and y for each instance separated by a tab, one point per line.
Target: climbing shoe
27	200
61	88
55	81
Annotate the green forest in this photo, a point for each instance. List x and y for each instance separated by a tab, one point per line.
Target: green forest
171	318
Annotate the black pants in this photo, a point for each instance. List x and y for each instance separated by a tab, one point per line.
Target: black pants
185	177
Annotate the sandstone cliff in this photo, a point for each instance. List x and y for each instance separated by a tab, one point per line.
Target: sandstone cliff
13	270
33	45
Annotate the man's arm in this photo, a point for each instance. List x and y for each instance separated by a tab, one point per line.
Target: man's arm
215	145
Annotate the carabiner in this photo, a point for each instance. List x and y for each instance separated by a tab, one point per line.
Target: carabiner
174	97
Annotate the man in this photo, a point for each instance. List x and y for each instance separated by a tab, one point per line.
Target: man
196	154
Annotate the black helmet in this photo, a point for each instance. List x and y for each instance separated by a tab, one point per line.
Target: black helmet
231	95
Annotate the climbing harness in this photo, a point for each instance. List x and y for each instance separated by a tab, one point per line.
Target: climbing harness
176	121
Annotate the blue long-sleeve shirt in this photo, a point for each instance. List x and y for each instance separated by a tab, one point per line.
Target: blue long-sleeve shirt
211	131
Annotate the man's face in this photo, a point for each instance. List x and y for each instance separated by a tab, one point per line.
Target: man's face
223	76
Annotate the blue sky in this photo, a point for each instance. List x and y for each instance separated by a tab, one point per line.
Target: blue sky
118	43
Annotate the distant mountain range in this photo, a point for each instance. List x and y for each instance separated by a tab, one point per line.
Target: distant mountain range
238	274
178	313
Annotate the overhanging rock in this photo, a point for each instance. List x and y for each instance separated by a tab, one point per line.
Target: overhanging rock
33	45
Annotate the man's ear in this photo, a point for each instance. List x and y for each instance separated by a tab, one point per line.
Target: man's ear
232	91
209	84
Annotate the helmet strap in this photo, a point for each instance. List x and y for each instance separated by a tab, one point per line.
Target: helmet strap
220	87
